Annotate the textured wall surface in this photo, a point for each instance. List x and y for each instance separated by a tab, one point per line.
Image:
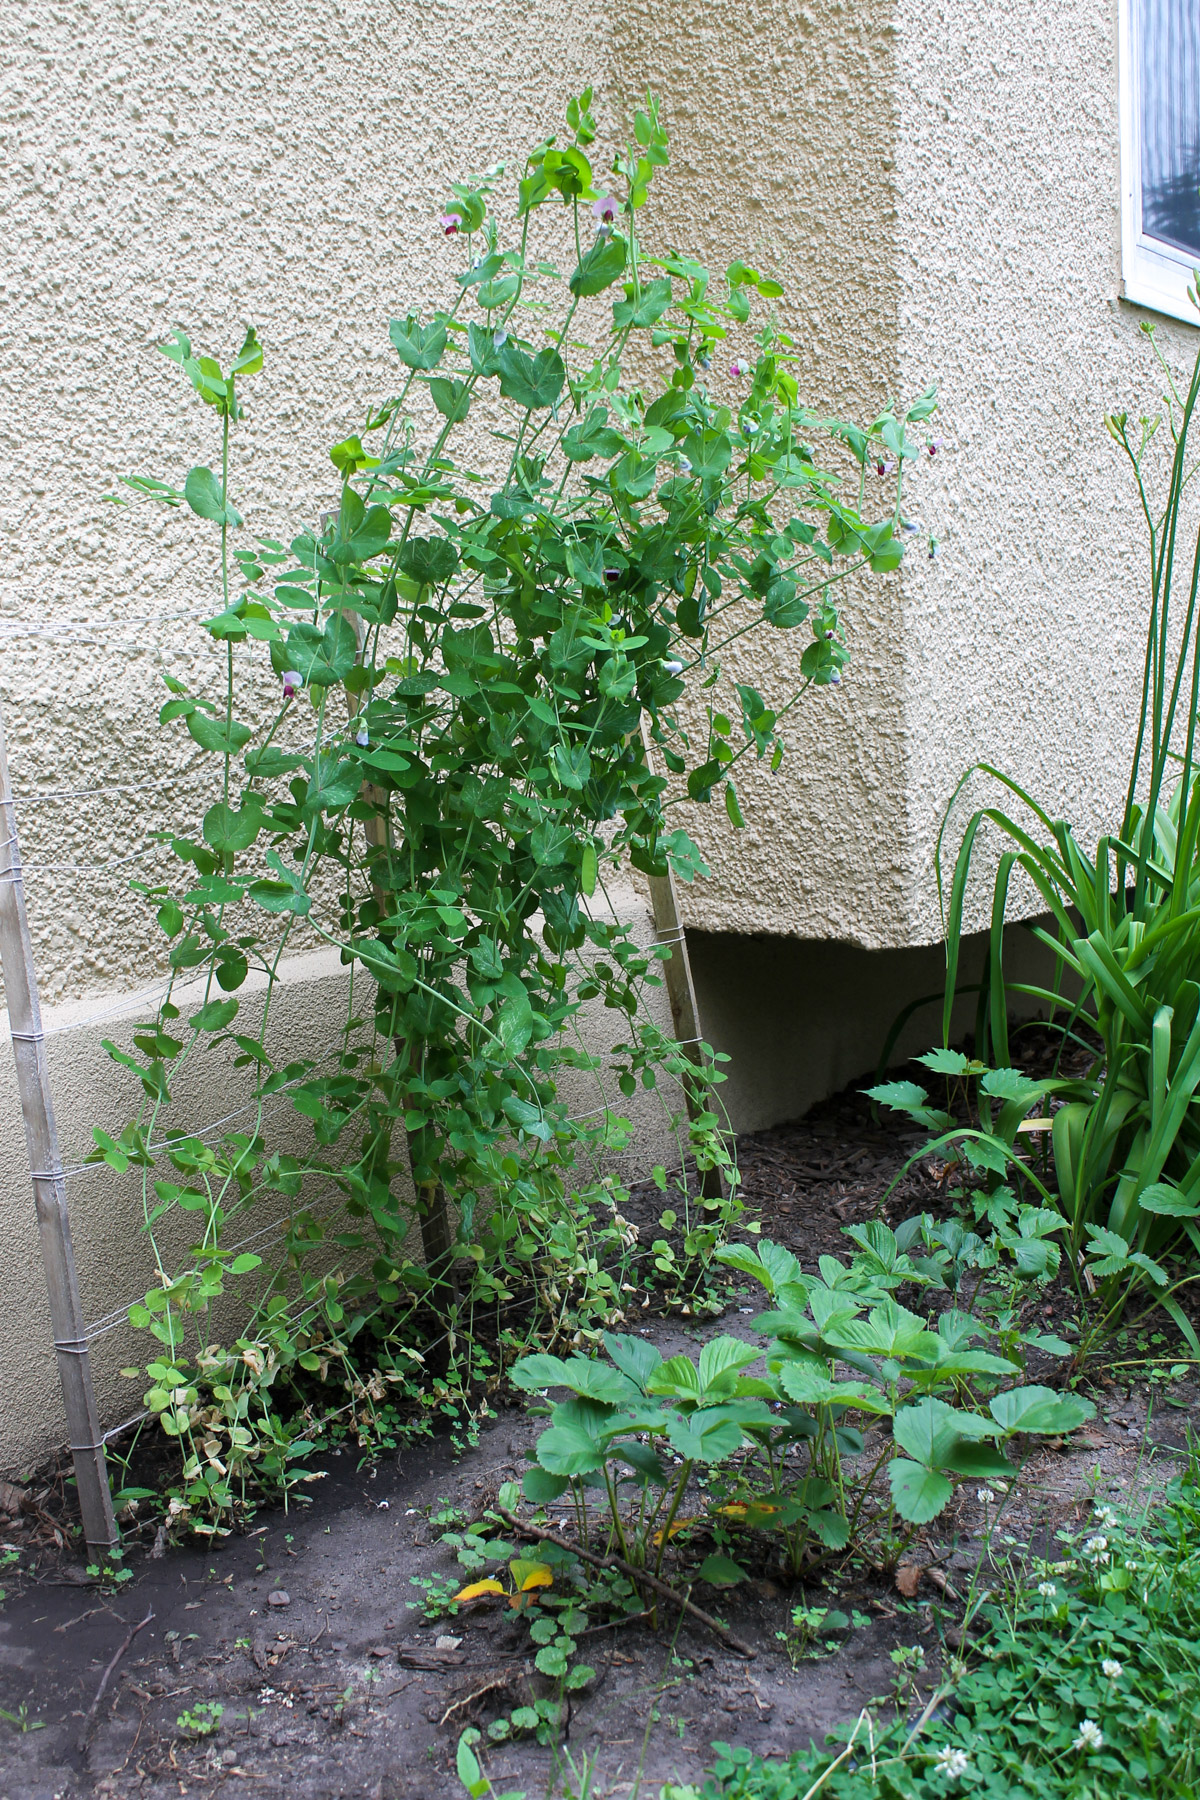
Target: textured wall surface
282	163
1023	639
783	153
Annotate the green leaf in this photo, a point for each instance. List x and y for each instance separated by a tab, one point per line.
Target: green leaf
708	1436
249	359
322	658
599	266
646	311
1162	1197
720	1572
945	1062
214	1016
225	736
918	1494
452	398
393	968
428	561
541	1488
202	491
419	346
708	452
1041	1410
229	830
594	437
242	1265
569	1450
530	381
724	1357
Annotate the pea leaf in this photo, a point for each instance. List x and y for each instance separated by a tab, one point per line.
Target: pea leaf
419	346
600	266
530	381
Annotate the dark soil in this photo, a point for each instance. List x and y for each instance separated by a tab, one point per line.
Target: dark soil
333	1686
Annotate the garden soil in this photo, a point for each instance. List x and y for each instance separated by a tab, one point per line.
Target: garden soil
308	1631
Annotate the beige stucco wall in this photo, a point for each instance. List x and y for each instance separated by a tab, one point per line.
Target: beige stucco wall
1023	639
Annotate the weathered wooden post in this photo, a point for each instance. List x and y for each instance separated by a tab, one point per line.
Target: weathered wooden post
49	1184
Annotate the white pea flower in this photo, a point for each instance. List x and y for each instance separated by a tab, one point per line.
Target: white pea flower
1111	1668
362	737
1047	1590
951	1762
1090	1736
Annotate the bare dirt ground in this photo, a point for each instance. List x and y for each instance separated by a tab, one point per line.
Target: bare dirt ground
333	1686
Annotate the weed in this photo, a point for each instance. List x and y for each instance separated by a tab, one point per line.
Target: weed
202	1720
21	1718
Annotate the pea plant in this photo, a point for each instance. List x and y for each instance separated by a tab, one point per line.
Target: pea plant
837	1352
441	718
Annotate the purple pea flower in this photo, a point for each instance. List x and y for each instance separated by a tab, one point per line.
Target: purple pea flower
738	368
934	445
449	222
291	683
885	467
604	210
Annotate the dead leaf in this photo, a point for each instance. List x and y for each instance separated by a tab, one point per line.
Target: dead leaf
908	1579
475	1590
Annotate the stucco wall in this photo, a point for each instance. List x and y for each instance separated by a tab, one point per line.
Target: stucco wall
1023	638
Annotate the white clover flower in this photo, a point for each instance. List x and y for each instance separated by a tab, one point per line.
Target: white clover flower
1090	1736
1130	1563
1105	1516
985	1496
951	1762
1111	1668
1096	1549
1047	1590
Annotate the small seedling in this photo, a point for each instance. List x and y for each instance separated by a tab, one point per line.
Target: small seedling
21	1718
201	1720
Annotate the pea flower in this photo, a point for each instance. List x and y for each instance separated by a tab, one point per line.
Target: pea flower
885	467
604	211
1111	1669
951	1762
362	737
449	222
738	368
934	445
291	682
1090	1736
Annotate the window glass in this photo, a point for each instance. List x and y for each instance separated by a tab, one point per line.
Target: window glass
1170	123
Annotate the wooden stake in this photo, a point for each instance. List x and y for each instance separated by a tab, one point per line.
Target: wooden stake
681	989
49	1185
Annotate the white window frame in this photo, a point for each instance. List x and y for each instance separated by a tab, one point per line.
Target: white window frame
1153	274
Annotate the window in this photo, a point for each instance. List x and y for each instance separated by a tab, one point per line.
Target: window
1160	153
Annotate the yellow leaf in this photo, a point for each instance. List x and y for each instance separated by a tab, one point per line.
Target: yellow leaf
676	1525
475	1590
527	1575
736	1509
